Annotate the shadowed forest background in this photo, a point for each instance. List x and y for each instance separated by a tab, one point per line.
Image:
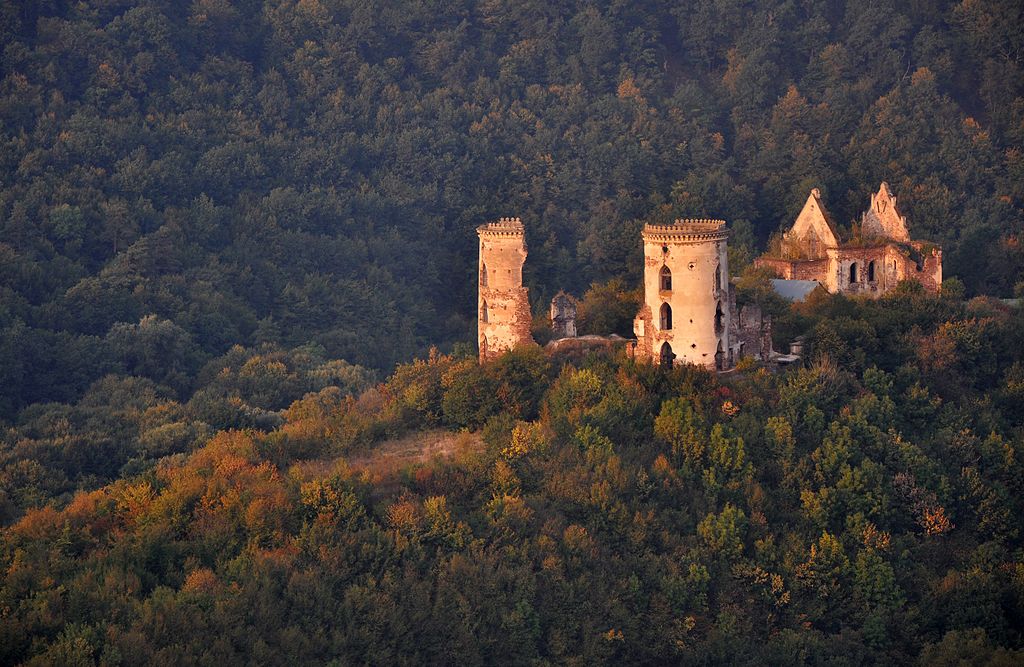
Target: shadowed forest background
222	224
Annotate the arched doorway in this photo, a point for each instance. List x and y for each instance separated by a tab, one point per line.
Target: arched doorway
666	355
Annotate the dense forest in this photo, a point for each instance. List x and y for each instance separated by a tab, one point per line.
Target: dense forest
237	250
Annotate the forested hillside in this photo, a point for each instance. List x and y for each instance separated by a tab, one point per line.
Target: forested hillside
863	510
311	172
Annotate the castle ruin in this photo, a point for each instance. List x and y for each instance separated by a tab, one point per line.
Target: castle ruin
879	255
686	313
503	309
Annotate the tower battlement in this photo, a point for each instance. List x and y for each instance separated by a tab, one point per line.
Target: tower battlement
688	230
502	227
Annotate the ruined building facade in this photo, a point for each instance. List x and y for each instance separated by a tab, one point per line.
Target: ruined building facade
881	255
686	314
503	308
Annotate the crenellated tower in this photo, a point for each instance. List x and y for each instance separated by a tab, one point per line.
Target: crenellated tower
504	316
686	312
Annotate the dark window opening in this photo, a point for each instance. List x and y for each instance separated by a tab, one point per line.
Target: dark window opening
666	355
853	273
666	279
483	274
666	317
720	358
871	271
719	319
483	312
718	277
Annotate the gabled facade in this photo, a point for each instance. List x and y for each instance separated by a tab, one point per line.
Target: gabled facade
813	232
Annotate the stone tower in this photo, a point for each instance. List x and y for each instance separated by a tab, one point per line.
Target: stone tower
504	316
686	315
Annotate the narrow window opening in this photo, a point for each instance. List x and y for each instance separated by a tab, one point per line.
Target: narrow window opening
666	317
853	273
483	312
718	277
871	271
483	274
719	319
666	279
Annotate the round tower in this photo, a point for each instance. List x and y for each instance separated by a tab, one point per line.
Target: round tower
504	316
685	316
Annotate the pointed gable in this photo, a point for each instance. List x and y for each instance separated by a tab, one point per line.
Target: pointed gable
813	230
883	219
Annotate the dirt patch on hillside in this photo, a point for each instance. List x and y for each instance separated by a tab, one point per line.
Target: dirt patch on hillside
418	447
384	461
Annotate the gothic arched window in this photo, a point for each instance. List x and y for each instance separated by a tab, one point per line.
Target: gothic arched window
666	279
483	312
666	317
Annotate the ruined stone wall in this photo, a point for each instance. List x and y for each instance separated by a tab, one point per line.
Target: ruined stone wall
643	329
563	316
925	266
787	269
861	271
892	263
751	332
504	316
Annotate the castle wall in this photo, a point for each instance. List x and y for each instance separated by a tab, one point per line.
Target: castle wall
504	317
